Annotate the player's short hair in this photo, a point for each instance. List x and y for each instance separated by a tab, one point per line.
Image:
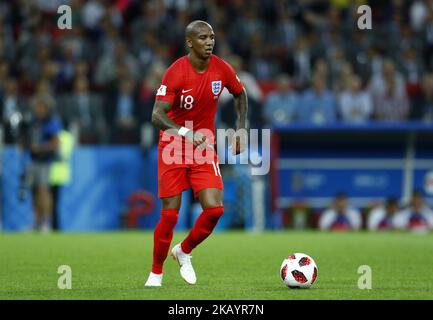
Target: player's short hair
341	195
391	201
193	27
417	193
45	100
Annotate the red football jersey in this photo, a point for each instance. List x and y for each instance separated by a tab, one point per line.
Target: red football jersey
194	96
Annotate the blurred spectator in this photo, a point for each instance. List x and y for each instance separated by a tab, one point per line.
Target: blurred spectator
281	105
315	13
66	69
254	91
148	88
49	5
318	103
422	107
356	49
145	48
11	108
299	65
388	91
92	12
369	65
246	27
287	28
34	62
355	104
80	46
26	84
340	216
108	43
82	111
247	79
149	20
44	141
122	114
412	66
114	15
43	88
112	67
427	31
382	218
60	173
7	45
337	62
4	73
418	13
343	78
262	63
321	67
82	70
407	39
417	217
146	99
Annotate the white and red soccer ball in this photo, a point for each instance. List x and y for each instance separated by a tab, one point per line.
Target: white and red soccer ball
298	270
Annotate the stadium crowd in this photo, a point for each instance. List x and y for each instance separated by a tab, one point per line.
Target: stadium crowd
301	60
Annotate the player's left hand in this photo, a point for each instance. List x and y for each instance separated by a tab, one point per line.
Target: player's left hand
239	142
198	139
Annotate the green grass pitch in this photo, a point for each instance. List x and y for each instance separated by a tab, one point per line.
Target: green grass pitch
229	265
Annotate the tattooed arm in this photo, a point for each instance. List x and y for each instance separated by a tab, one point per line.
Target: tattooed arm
241	107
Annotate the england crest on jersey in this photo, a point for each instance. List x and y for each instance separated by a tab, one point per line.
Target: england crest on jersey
216	87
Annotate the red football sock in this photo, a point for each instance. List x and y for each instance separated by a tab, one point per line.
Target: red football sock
162	238
203	227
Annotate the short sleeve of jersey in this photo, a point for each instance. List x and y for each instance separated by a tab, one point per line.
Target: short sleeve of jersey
169	86
233	84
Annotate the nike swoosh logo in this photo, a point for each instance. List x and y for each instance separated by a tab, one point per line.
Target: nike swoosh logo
183	91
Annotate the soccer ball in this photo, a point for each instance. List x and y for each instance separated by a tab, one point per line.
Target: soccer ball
298	270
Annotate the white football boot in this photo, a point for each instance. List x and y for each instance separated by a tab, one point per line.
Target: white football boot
184	260
154	280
